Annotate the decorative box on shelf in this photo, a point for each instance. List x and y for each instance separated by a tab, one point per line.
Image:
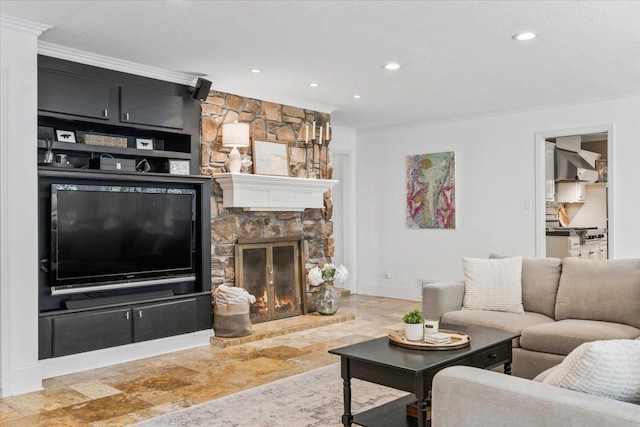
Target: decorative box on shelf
104	140
272	193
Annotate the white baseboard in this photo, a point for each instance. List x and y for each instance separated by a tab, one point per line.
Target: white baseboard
64	365
412	294
24	379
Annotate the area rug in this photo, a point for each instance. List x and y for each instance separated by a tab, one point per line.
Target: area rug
310	399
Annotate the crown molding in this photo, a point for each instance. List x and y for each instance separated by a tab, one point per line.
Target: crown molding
496	113
290	101
111	63
24	25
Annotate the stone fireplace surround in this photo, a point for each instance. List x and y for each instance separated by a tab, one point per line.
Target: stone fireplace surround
268	121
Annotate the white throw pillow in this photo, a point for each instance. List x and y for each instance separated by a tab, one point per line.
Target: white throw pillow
609	368
493	284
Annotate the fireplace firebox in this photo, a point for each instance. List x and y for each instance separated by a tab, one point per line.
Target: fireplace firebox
271	271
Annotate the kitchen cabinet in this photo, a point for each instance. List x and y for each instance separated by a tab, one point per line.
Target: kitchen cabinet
589	252
604	253
571	192
550	172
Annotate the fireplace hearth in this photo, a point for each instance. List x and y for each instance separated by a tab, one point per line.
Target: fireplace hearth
270	269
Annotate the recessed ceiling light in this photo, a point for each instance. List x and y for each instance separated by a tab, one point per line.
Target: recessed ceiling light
356	96
256	70
524	36
391	66
314	84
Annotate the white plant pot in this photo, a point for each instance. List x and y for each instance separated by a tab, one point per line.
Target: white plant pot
414	332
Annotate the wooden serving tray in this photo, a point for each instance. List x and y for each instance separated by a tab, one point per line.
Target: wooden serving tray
458	340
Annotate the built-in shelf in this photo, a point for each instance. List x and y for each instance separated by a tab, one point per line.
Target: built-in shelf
88	148
272	193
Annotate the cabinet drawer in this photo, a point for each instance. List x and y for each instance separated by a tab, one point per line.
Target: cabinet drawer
491	357
164	319
91	331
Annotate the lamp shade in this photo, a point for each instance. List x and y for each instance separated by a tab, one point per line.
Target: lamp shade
235	134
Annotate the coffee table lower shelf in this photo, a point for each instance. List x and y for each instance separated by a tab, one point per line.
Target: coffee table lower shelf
393	414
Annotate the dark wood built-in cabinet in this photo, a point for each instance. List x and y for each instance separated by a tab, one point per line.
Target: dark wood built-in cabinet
77	331
153	108
64	93
92	100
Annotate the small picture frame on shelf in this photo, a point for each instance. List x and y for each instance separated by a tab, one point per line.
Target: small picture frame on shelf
65	135
179	167
144	143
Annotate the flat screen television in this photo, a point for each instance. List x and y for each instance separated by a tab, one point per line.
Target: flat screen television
110	237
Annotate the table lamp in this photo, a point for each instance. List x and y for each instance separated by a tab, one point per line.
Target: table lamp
235	135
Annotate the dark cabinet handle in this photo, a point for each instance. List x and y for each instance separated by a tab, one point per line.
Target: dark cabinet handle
126	116
105	113
493	356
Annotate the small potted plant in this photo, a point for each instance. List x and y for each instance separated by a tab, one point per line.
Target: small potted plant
413	325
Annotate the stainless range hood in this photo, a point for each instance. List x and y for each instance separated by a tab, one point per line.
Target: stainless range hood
572	167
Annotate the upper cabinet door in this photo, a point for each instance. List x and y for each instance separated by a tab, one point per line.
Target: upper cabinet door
71	94
152	108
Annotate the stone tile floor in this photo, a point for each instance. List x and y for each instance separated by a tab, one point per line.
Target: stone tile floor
130	392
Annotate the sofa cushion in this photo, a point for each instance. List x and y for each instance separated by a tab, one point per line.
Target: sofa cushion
563	336
493	284
540	278
599	290
511	322
606	368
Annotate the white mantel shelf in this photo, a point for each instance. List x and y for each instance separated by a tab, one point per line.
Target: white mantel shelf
272	193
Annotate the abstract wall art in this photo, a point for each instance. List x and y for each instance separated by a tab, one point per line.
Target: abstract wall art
431	190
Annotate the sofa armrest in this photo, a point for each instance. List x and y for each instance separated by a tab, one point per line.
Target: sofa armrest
441	297
465	396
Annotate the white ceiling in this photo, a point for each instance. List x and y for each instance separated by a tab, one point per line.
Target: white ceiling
457	57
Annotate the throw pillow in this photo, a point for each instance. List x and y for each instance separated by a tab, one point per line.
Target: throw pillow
493	284
540	278
608	368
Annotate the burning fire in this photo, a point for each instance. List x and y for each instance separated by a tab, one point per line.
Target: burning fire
281	305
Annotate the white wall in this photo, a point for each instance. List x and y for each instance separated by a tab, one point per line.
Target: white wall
19	368
495	178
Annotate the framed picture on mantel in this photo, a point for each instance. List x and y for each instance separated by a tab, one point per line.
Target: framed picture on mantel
270	158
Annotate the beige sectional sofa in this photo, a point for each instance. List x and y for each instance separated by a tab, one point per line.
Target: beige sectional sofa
566	303
465	396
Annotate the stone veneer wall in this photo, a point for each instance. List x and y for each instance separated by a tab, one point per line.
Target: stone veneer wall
268	121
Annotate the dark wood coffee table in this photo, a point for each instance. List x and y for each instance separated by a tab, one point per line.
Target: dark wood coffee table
378	361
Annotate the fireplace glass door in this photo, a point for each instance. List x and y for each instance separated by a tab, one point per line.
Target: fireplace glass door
271	272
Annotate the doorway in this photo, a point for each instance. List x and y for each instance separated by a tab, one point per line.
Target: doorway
574	193
342	215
